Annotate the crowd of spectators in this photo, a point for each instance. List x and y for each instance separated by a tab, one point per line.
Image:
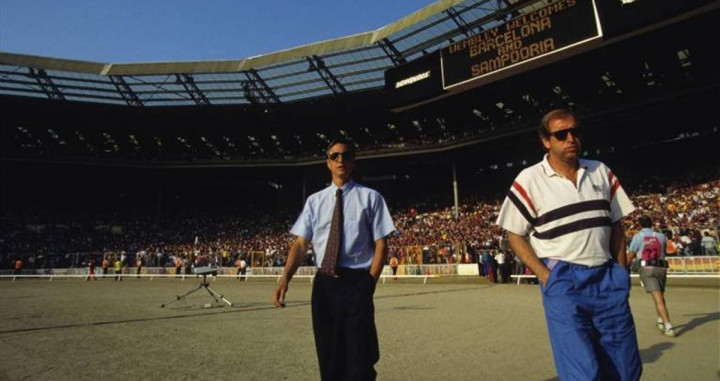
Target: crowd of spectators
428	230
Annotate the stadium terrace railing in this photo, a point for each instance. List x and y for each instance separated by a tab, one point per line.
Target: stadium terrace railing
701	266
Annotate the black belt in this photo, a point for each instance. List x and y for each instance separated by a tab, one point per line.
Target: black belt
655	262
344	272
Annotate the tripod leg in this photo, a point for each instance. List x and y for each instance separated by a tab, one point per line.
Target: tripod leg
212	292
181	296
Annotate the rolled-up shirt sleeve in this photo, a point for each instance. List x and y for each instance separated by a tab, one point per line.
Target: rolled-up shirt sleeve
303	225
381	220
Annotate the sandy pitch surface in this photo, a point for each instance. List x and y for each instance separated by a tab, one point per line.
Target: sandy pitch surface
451	330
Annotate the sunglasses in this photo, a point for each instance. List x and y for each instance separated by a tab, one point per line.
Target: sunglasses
563	134
347	155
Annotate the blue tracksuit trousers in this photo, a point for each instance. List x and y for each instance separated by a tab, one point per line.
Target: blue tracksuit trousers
590	324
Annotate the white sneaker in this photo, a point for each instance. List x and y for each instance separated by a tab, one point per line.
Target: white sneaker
669	332
660	326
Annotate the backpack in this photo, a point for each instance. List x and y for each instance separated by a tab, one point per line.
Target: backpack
652	248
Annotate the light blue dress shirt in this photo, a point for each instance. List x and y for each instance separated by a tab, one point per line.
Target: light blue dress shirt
366	219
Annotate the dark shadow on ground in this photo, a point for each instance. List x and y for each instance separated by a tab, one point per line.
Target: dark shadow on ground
652	354
696	322
648	355
237	308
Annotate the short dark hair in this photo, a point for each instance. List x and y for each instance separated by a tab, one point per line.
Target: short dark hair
645	221
558	113
340	140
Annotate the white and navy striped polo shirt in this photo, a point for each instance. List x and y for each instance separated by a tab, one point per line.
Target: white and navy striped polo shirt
565	222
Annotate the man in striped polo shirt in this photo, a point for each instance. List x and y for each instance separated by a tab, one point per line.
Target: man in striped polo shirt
563	219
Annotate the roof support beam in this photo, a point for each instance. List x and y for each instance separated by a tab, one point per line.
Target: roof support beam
459	21
49	87
476	24
317	64
392	52
257	85
196	94
126	92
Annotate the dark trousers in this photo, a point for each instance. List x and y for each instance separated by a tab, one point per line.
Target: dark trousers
343	317
504	272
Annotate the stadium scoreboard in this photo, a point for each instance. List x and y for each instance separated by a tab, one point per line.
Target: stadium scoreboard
558	26
536	37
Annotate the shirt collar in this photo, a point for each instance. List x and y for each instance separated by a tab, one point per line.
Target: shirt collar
550	172
547	168
349	185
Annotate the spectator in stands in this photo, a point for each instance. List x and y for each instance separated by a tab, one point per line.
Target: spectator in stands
241	268
686	242
571	210
502	266
178	266
695	243
671	248
481	265
139	265
105	266
494	266
682	202
18	266
118	269
650	247
188	264
394	266
342	296
91	269
487	260
709	244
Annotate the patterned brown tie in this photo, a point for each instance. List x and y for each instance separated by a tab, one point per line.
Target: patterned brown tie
332	250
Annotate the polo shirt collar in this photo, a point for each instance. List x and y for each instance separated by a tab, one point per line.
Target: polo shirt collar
547	168
550	172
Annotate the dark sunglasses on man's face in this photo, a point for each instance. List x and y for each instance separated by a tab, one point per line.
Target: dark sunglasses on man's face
347	155
563	134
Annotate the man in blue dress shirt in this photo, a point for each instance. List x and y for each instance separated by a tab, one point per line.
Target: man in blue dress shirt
343	312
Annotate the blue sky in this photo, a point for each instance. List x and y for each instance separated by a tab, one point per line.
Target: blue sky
184	30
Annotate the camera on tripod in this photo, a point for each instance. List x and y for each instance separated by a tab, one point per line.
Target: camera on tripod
207	270
204	271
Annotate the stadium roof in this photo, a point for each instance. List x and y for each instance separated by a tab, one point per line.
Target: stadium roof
347	64
657	63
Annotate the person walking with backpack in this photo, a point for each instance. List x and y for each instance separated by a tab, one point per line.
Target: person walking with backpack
650	246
